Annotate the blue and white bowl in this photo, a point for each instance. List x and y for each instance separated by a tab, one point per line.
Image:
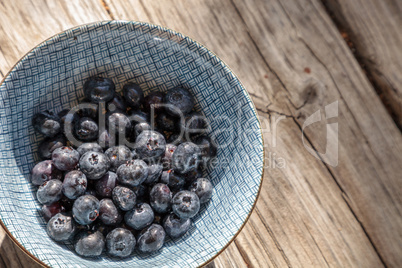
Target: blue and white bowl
51	76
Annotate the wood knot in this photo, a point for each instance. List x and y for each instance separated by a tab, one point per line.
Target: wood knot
313	91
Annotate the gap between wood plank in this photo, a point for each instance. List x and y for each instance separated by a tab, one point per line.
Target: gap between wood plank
107	9
273	238
309	141
243	254
347	35
298	124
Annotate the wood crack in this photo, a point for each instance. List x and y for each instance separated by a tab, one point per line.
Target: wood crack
257	47
271	234
347	106
243	254
345	30
338	90
263	244
107	8
315	242
267	111
343	194
2	261
364	230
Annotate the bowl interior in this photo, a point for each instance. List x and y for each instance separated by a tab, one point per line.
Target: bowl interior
51	77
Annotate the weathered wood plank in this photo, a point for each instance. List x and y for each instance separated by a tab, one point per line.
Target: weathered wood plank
302	218
308	66
11	255
374	28
23	25
301	35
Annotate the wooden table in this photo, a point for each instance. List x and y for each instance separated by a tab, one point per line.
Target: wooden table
295	57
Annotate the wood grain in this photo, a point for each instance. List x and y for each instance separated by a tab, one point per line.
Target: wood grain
23	25
293	61
29	23
308	64
374	29
369	142
11	255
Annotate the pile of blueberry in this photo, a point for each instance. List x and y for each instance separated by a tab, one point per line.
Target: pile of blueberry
122	172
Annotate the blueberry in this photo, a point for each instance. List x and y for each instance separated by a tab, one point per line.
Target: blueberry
120	243
50	192
91	184
167	122
86	129
138	116
158	218
101	227
89	244
48	145
175	226
94	165
46	123
155	99
142	193
119	123
160	198
194	123
177	138
185	204
48	211
168	156
132	173
90	191
108	212
74	184
135	154
133	95
154	172
105	185
140	127
173	180
207	147
65	158
140	216
98	89
61	227
192	175
90	110
118	156
66	203
45	171
89	147
63	115
86	209
117	104
150	144
202	188
179	101
151	239
186	157
124	198
67	121
106	139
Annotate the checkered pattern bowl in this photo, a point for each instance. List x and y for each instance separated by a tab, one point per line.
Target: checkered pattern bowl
51	77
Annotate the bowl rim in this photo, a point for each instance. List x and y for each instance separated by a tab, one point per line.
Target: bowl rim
164	28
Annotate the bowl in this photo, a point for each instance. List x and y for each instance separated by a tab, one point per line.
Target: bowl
51	77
